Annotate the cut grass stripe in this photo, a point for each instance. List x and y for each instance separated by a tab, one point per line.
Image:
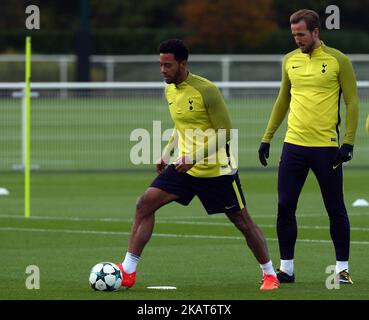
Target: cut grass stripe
169	221
162	235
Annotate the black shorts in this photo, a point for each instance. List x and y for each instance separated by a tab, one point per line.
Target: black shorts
221	194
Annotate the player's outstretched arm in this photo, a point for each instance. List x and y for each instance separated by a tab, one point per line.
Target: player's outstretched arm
279	112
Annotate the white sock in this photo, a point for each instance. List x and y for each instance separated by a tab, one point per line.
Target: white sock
130	262
341	265
268	268
287	266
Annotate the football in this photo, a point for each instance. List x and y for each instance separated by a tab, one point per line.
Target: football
105	276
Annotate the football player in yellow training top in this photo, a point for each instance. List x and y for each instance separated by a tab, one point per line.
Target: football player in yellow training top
313	78
205	167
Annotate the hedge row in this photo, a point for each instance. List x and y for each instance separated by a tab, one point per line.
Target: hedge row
145	41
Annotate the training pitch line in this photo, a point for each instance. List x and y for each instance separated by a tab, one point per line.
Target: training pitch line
161	235
165	220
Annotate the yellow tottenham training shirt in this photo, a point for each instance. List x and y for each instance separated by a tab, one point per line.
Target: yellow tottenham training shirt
311	88
198	111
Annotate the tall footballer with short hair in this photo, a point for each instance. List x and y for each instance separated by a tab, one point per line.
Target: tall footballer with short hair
204	167
313	78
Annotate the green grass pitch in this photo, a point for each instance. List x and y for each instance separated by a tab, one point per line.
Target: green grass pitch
94	132
79	219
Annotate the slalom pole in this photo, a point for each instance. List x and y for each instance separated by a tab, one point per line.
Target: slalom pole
27	123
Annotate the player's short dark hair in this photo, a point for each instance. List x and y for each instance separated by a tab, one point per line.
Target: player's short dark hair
310	17
176	47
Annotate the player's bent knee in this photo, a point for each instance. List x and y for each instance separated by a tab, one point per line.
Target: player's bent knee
241	220
143	206
152	200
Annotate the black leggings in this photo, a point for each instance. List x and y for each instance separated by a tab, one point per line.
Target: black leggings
293	170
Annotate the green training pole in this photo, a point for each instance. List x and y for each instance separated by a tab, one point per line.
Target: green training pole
27	163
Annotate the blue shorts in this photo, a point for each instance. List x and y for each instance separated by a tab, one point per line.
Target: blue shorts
221	194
